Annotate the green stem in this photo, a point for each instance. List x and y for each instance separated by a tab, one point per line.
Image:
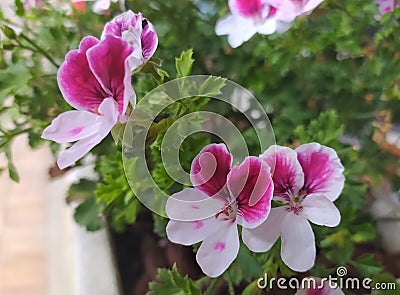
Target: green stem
212	286
230	283
40	50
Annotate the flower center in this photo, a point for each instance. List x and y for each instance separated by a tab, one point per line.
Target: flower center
228	213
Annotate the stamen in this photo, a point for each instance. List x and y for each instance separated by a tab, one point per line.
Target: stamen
96	111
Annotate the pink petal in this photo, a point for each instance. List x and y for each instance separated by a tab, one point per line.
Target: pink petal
319	210
323	172
77	83
219	250
192	232
250	185
149	39
287	173
71	126
108	61
298	243
191	204
107	120
210	169
145	29
122	23
263	237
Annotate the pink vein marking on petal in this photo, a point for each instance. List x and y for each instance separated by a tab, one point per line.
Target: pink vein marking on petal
195	207
78	85
220	246
107	61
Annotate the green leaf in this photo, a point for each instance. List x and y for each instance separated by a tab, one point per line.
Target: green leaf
252	289
367	265
81	190
171	282
87	215
245	267
212	86
12	171
9	32
184	63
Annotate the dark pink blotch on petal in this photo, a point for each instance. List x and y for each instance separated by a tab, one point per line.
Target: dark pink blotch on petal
247	8
77	83
76	130
210	169
107	60
323	172
251	184
219	246
287	172
198	224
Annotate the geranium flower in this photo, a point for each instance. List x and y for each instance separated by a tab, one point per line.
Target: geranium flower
223	197
385	6
138	32
260	16
248	18
307	181
96	80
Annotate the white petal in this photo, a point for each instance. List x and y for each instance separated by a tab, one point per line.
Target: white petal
71	126
263	237
238	29
298	243
219	250
191	204
192	232
108	118
101	5
319	210
267	28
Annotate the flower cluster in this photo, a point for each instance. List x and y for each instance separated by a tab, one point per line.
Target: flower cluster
265	17
96	80
303	182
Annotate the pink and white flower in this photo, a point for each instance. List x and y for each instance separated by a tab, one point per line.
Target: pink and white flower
96	80
260	16
222	198
386	6
138	32
306	182
248	18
